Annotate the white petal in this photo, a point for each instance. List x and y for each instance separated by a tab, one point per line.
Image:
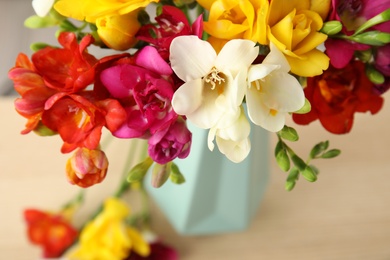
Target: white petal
42	7
234	151
191	58
276	57
260	71
283	92
210	138
238	128
236	55
188	97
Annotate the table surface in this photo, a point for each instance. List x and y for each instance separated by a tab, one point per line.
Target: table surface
344	215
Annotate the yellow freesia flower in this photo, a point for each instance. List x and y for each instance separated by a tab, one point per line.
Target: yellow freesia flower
90	10
108	237
116	20
236	19
293	28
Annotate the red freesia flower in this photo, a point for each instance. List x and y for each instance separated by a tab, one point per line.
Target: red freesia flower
52	232
32	89
86	167
145	90
67	69
336	95
170	143
172	22
79	119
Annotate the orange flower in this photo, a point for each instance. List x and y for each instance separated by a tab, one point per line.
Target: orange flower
86	167
52	232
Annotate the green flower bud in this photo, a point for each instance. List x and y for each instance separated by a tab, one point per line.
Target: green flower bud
176	176
332	27
375	76
138	172
160	174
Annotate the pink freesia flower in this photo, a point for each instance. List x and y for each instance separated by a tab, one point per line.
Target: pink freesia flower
172	22
145	89
158	251
170	143
382	64
352	14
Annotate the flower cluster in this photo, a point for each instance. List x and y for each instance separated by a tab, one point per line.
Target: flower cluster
226	66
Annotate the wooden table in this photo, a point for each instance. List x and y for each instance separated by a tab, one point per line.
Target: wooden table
344	215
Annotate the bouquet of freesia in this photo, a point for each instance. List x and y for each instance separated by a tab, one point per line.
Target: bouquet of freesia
225	66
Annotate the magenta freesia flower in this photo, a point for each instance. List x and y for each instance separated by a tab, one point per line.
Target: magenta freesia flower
172	22
352	14
170	143
145	89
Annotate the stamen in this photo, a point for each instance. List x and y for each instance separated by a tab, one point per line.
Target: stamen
213	78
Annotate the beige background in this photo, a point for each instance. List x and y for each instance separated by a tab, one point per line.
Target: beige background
344	215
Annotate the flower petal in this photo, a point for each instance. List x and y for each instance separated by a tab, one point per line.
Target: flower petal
188	97
191	58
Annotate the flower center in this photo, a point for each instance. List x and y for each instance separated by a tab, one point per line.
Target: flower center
214	79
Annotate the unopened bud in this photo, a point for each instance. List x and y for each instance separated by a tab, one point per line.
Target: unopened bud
176	176
160	174
332	27
138	172
374	75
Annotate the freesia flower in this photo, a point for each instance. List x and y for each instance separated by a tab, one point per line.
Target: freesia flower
108	236
158	251
53	232
213	83
294	29
86	167
68	69
272	92
42	7
236	20
145	89
232	135
337	95
32	89
79	119
170	143
172	22
353	14
116	20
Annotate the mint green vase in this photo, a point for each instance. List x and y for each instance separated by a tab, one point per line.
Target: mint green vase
218	196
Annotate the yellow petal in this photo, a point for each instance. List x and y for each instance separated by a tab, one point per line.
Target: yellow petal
281	8
140	246
206	4
311	64
321	7
310	42
283	30
259	33
224	29
71	8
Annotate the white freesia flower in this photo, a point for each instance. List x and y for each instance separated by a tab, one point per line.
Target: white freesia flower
233	139
214	83
272	92
42	7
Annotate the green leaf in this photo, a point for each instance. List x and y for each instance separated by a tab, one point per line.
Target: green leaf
331	154
374	38
176	176
380	18
305	109
309	174
289	134
281	157
35	22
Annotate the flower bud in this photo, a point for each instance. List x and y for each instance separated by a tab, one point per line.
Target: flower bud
374	75
332	27
139	171
86	167
160	174
118	31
